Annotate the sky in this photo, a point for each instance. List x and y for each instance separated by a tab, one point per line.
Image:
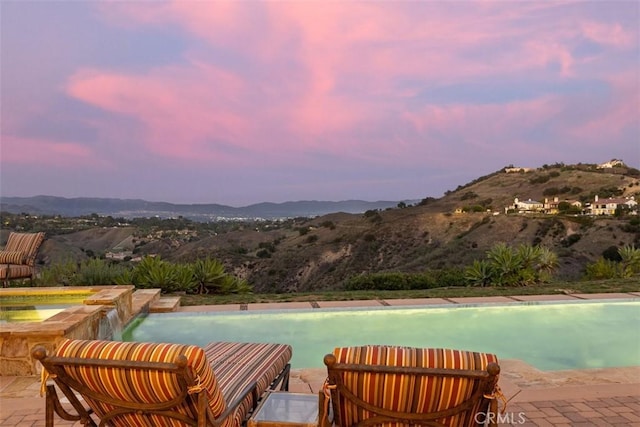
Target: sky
240	102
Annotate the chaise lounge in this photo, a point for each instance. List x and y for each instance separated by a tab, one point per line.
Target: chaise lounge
158	384
395	386
18	258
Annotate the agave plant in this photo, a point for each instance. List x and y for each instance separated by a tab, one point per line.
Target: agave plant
546	263
630	260
505	264
478	273
153	272
233	285
126	277
185	279
242	287
528	255
209	275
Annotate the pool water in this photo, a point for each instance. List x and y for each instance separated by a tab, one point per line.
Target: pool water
549	336
36	308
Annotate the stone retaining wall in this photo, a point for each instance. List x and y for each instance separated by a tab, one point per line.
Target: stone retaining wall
78	322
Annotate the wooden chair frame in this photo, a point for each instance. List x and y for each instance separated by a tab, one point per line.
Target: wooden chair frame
55	366
484	388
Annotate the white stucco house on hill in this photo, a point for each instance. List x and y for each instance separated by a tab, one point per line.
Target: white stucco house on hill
608	206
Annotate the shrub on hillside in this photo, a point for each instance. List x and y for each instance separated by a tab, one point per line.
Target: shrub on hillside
390	282
625	264
506	266
59	274
468	195
602	269
377	281
571	240
540	179
612	254
632	226
263	253
202	276
328	224
448	277
396	281
96	272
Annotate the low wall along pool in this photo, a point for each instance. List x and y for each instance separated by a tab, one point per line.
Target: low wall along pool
549	336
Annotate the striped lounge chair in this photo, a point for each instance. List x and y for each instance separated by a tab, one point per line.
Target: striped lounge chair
157	384
404	386
18	258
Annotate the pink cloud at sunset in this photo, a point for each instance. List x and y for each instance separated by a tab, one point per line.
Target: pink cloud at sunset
27	151
287	99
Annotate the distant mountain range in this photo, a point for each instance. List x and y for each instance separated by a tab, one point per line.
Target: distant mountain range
135	208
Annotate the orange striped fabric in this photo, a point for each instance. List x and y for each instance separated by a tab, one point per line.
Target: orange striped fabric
143	386
28	243
225	370
410	393
238	365
12	257
14	271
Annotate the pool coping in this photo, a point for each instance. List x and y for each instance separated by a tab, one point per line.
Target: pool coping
564	297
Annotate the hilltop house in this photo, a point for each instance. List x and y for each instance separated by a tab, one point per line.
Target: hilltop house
525	206
518	170
533	206
611	164
608	206
552	207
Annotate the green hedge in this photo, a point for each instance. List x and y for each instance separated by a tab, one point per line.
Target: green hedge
395	281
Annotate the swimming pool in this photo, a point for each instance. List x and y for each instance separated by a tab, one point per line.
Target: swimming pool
37	307
549	336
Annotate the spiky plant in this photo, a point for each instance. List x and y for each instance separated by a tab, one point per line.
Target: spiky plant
153	272
630	260
546	263
505	264
478	273
209	275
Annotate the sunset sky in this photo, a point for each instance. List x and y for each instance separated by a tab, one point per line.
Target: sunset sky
249	101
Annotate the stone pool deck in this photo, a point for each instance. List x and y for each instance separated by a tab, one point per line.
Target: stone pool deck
592	397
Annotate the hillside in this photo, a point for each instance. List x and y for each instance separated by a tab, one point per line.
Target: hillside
320	253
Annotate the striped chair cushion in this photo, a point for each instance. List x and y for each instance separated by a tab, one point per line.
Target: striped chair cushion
12	257
410	393
237	365
28	243
136	385
14	271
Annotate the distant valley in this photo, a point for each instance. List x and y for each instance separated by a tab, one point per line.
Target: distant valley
128	208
